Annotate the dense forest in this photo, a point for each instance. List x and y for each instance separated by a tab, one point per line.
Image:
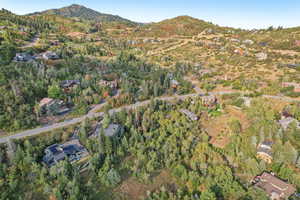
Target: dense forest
157	138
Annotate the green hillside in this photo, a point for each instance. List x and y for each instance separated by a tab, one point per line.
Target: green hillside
84	13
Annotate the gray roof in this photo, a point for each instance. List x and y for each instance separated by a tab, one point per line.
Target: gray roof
112	130
286	121
23	57
192	116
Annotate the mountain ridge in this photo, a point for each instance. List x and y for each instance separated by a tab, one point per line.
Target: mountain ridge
82	12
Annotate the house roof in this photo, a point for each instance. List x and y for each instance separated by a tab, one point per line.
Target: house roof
271	184
45	101
265	148
112	130
267	143
285	122
72	150
68	83
189	114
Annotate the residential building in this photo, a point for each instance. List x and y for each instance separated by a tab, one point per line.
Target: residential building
71	150
49	55
264	151
275	188
209	101
111	84
174	83
50	106
286	121
248	42
261	56
247	101
113	130
291	84
205	71
69	83
192	116
235	40
23	57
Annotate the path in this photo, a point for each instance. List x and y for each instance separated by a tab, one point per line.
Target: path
33	42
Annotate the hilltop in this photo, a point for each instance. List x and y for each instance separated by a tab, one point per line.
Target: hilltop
81	12
181	25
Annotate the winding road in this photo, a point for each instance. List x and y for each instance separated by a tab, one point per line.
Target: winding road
94	114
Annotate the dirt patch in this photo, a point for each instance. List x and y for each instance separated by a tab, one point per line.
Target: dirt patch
218	128
134	190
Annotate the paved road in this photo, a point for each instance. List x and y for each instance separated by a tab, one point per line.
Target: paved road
93	114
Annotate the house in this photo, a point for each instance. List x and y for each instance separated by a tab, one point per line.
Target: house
204	71
69	83
111	131
291	84
275	188
247	101
192	116
264	151
248	42
286	121
297	43
174	83
239	51
209	101
54	42
23	57
71	150
263	44
50	106
235	40
49	55
261	56
111	84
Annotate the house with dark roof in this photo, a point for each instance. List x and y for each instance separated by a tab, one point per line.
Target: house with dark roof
275	188
23	57
71	150
264	151
69	83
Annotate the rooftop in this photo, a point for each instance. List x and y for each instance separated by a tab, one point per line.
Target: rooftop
72	150
189	114
274	186
45	101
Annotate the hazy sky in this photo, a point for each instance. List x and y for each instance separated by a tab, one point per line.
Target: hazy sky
234	13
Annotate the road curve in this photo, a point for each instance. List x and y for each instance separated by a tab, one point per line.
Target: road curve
94	114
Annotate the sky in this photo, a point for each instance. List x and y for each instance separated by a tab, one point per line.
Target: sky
247	14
